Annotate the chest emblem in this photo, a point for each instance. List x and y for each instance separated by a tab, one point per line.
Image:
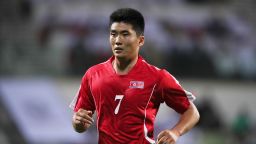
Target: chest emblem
137	84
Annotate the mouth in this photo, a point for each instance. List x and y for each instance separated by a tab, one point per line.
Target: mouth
118	49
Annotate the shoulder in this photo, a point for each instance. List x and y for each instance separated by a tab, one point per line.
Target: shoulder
99	67
161	74
149	67
151	70
156	70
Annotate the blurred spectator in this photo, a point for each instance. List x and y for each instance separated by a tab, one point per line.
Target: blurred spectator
44	34
190	57
190	42
241	127
79	59
25	8
217	28
251	136
246	57
206	1
209	117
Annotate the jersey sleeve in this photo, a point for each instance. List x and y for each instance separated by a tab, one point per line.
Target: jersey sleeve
172	93
83	98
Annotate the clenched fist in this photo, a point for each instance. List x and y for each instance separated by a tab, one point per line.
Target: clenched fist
82	119
167	137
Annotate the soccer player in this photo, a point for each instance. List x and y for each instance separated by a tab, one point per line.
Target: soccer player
126	91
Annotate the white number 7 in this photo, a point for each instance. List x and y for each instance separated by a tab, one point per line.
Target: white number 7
118	97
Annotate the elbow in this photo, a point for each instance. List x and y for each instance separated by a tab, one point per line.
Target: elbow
197	116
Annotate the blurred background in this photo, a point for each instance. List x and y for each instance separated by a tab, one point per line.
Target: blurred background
47	45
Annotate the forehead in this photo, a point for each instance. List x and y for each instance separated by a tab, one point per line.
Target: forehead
121	26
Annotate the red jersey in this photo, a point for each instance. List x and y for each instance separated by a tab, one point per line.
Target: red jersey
127	105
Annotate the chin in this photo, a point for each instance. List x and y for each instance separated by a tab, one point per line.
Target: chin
119	55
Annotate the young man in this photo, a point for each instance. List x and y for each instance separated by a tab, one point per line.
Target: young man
126	91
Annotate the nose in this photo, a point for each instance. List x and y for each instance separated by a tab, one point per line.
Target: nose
118	40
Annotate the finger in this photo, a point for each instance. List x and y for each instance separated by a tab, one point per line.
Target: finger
77	121
83	110
81	120
86	114
84	121
90	113
169	141
160	135
162	140
85	118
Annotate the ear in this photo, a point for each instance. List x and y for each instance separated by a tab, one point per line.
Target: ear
141	40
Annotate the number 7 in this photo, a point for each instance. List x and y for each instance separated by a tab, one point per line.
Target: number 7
118	97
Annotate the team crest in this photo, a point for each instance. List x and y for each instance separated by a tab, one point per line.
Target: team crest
137	84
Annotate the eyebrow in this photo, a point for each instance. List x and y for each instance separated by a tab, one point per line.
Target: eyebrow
122	31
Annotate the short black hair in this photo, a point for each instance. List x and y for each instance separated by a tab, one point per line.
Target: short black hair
130	16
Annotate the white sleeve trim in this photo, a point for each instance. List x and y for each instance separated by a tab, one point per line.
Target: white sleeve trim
74	101
190	96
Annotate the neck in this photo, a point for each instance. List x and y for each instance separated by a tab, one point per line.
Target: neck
123	66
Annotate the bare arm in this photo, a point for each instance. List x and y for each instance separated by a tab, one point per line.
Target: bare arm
187	121
82	120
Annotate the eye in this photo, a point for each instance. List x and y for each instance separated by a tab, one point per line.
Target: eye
126	34
113	34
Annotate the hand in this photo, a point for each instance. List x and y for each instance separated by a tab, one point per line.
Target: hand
83	117
167	137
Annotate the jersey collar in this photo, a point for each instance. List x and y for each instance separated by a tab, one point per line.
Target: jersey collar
133	70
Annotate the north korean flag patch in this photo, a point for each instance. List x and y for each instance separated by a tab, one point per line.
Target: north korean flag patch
137	84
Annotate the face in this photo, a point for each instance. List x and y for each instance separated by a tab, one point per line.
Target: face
124	41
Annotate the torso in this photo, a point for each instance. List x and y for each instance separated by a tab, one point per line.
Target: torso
127	105
124	103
